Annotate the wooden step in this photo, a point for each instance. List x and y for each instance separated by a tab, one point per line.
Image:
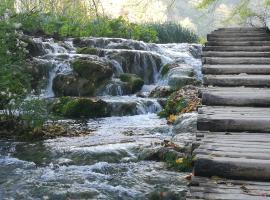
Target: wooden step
237	48
240	34
234	54
237	80
238	96
235	60
247	119
224	189
236	69
243	29
238	43
233	39
238	155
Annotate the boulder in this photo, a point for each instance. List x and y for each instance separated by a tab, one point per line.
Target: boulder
39	73
34	48
90	74
93	69
80	107
185	123
87	50
72	85
161	92
134	82
181	75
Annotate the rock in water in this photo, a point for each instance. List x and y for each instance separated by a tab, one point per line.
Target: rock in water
89	75
95	70
161	92
81	107
134	82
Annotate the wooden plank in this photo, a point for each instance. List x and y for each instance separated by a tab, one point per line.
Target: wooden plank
234	119
232	38
235	69
235	61
235	54
235	168
237	43
237	80
236	97
238	48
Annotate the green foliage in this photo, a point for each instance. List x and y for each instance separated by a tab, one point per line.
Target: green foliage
243	11
205	3
58	107
173	106
165	69
134	82
34	113
173	33
64	26
202	40
179	164
87	50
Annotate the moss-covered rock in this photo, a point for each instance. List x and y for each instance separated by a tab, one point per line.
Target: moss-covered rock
87	50
72	85
94	70
161	92
135	83
34	48
89	75
80	108
182	101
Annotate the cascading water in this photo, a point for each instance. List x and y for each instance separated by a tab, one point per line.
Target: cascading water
104	164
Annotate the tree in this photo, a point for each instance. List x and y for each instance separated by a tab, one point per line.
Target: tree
250	12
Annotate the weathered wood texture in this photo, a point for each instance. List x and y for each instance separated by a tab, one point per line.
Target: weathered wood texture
235	117
236	69
222	189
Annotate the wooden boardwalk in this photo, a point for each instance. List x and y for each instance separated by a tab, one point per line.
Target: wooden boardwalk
233	157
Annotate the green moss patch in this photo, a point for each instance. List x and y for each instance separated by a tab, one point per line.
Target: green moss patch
182	101
165	69
87	50
80	108
93	70
134	82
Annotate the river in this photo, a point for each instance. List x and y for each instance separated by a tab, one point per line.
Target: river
108	163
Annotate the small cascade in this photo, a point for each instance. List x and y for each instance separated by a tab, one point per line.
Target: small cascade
125	56
59	67
105	164
131	105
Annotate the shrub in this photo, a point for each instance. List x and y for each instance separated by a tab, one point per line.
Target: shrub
173	33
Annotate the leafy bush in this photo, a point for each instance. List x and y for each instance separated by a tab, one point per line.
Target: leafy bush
173	33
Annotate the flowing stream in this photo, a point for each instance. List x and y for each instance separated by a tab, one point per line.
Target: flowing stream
106	164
